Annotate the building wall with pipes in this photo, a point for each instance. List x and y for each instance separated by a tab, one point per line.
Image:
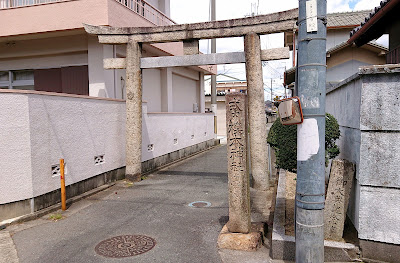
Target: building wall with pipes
366	107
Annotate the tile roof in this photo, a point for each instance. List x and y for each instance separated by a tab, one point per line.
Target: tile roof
369	16
346	44
347	18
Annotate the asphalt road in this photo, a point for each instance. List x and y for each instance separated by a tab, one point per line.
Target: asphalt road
156	207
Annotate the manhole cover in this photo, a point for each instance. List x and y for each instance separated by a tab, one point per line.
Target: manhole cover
125	246
200	204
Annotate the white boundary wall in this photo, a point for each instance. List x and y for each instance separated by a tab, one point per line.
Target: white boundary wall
37	129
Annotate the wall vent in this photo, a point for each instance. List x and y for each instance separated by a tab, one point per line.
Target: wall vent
99	159
55	170
192	137
150	147
176	141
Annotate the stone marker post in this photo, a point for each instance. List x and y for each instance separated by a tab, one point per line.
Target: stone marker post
238	175
133	111
257	117
337	198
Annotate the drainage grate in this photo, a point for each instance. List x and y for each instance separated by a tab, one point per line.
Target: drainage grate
125	246
200	204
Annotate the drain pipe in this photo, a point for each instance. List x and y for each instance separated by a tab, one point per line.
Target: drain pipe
310	191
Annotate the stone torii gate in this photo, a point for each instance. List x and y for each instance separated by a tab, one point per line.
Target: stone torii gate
251	28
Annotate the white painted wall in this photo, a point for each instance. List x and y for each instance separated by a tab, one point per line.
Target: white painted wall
221	114
152	89
102	82
160	129
184	93
54	127
335	37
15	149
154	3
37	130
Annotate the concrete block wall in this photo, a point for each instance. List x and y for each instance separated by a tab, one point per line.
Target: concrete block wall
366	106
38	129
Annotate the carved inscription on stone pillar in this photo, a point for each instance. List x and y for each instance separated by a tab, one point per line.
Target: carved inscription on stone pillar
238	176
337	198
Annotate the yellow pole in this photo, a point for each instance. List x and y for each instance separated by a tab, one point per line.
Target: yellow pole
215	124
63	194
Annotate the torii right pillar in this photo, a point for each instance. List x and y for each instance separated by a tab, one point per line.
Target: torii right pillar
257	117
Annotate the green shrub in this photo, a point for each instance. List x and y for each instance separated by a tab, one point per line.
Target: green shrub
283	138
332	133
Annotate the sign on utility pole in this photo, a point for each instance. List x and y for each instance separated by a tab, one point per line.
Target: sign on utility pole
310	191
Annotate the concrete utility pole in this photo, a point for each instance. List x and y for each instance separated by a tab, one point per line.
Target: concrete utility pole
214	77
310	192
272	99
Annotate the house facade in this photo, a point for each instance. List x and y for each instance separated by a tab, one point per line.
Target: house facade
58	102
342	58
50	51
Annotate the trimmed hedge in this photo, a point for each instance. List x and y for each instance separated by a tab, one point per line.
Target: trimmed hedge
283	138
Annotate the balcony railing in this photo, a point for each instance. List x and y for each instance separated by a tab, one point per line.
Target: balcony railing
140	7
5	4
147	11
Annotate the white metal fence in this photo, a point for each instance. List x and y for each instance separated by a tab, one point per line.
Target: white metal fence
147	11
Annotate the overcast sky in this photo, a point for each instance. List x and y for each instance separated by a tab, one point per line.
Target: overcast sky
191	11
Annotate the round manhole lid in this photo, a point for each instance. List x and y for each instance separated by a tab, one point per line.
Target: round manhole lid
125	246
200	204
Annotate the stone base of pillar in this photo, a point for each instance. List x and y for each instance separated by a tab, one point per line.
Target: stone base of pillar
245	242
134	177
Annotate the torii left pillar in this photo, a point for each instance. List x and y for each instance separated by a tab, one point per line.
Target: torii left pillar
133	111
